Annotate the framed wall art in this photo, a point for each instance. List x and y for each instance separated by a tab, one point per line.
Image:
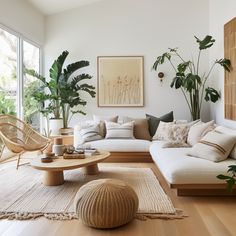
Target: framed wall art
120	81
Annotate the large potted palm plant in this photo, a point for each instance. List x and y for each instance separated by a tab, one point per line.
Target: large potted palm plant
189	77
60	93
70	88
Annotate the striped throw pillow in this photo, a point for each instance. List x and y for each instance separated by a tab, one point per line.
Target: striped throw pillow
90	133
119	131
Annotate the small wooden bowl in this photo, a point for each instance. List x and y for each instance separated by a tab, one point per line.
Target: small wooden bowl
46	159
49	154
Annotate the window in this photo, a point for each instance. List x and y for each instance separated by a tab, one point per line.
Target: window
15	87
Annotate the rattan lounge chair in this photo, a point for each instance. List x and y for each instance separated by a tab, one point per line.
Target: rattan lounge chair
19	137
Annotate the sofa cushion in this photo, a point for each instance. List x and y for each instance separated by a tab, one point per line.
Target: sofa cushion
171	132
154	121
226	130
179	168
214	146
196	131
119	131
101	120
121	145
141	128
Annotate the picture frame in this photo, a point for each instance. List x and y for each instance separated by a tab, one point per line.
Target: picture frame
120	81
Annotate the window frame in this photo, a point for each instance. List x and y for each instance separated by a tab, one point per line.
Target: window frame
19	66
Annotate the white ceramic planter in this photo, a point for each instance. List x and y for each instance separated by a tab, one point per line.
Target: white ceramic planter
55	125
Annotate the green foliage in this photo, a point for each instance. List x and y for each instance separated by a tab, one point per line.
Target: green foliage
230	179
46	95
31	106
188	78
7	105
61	93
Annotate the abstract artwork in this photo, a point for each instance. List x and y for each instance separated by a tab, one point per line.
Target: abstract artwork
120	81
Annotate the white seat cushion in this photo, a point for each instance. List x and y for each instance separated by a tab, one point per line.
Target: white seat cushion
178	168
121	145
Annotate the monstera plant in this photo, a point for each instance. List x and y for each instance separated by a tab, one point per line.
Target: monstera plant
189	77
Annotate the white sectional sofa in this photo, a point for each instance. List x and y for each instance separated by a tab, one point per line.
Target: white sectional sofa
189	175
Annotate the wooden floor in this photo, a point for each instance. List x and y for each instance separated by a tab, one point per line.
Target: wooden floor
214	216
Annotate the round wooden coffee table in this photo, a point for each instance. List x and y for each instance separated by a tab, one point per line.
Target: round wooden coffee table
53	171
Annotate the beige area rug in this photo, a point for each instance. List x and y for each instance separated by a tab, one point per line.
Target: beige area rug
23	196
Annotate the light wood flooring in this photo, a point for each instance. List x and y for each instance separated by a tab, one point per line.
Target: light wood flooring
215	216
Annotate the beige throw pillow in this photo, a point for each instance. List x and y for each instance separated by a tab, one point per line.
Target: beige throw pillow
101	120
141	128
196	131
119	131
171	132
214	146
225	130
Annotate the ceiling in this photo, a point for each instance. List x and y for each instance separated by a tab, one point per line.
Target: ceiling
49	7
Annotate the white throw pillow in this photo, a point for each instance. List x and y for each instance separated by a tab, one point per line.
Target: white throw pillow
225	130
169	131
214	146
78	139
90	133
119	131
196	131
101	120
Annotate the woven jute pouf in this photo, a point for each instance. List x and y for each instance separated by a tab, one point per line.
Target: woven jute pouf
106	203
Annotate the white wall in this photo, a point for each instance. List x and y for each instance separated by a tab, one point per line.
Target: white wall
220	13
21	17
131	27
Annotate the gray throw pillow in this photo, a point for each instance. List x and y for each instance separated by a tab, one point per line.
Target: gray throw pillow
153	121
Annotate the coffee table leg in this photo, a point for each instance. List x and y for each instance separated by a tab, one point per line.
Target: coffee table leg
91	169
53	178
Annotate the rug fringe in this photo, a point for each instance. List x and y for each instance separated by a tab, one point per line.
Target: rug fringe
70	216
33	216
179	214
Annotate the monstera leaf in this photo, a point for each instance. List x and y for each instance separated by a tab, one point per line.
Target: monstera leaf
207	42
212	95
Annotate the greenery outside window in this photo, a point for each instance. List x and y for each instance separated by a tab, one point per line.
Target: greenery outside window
16	53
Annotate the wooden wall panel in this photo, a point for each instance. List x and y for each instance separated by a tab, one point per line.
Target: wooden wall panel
230	78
